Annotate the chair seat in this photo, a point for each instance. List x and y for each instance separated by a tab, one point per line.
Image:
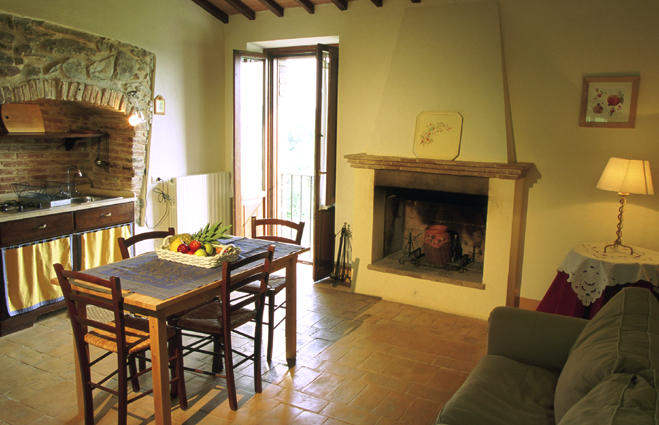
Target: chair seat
137	336
208	318
275	283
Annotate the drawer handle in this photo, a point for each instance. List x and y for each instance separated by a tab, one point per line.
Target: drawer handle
43	226
106	215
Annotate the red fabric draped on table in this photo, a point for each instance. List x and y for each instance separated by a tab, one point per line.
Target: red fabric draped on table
561	298
590	275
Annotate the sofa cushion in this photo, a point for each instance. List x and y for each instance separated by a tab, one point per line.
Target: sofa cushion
623	337
501	391
620	399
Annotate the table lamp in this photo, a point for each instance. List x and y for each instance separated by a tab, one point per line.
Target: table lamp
625	176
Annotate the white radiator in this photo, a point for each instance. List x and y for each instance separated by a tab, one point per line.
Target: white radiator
200	199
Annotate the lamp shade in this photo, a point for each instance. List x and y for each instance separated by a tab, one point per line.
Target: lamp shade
627	176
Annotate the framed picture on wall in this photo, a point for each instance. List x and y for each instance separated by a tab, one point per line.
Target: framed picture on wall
159	105
609	102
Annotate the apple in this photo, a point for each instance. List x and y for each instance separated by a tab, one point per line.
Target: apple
201	253
195	245
183	248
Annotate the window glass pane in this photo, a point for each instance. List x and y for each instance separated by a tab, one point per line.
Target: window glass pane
252	126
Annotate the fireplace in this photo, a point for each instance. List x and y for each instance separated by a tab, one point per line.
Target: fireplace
491	195
412	218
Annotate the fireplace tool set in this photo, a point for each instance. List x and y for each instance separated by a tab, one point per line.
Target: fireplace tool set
342	258
441	249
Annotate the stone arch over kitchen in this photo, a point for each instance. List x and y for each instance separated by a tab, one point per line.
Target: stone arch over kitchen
80	81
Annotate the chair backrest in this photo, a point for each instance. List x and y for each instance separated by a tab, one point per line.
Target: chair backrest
231	284
264	223
91	290
124	244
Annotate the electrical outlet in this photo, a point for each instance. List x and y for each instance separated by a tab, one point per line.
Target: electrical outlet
155	179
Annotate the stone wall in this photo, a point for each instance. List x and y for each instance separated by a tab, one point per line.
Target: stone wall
80	81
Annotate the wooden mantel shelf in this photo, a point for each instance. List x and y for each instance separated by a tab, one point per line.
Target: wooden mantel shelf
492	170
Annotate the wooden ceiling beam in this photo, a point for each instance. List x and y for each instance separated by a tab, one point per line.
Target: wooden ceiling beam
306	5
341	4
242	8
378	3
213	10
273	7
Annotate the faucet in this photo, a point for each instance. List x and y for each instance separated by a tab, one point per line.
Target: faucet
68	179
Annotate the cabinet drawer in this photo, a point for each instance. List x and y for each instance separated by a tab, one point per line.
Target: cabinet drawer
96	218
33	229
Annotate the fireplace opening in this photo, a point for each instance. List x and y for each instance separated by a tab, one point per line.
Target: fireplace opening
433	234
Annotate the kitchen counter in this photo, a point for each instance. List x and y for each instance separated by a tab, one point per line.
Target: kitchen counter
117	198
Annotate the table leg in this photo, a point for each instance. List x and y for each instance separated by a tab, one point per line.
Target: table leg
159	362
291	311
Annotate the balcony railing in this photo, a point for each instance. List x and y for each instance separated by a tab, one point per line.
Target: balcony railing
296	204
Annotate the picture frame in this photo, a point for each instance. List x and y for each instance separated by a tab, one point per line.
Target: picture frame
159	105
609	102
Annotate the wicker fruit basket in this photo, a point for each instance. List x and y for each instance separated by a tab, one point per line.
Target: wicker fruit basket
216	260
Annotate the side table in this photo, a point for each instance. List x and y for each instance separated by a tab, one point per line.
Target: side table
588	277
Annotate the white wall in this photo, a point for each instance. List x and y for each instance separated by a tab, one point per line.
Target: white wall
187	42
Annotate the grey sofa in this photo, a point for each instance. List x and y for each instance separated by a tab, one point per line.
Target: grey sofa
544	368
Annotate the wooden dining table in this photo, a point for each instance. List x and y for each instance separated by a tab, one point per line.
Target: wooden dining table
155	304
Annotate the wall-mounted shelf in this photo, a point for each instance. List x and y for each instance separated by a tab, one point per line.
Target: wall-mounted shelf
69	137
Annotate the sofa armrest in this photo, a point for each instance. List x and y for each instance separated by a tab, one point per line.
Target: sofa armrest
531	337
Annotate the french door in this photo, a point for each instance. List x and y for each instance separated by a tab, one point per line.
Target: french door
250	165
258	112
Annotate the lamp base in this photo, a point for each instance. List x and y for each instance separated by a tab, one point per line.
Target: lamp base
621	210
616	245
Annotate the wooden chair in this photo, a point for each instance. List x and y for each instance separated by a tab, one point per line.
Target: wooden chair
217	319
126	336
276	283
124	244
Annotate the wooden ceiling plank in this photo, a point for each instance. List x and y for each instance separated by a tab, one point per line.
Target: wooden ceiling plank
273	7
341	4
378	3
242	8
213	10
306	5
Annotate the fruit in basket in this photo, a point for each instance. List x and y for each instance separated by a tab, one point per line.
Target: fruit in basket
209	248
175	244
194	245
186	238
200	253
183	248
211	233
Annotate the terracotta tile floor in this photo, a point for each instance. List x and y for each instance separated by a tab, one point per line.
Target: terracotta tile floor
361	361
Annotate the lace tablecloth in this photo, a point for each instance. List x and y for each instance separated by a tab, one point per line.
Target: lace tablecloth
590	270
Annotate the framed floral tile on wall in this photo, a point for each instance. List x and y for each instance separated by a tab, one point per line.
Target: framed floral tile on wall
438	135
609	102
